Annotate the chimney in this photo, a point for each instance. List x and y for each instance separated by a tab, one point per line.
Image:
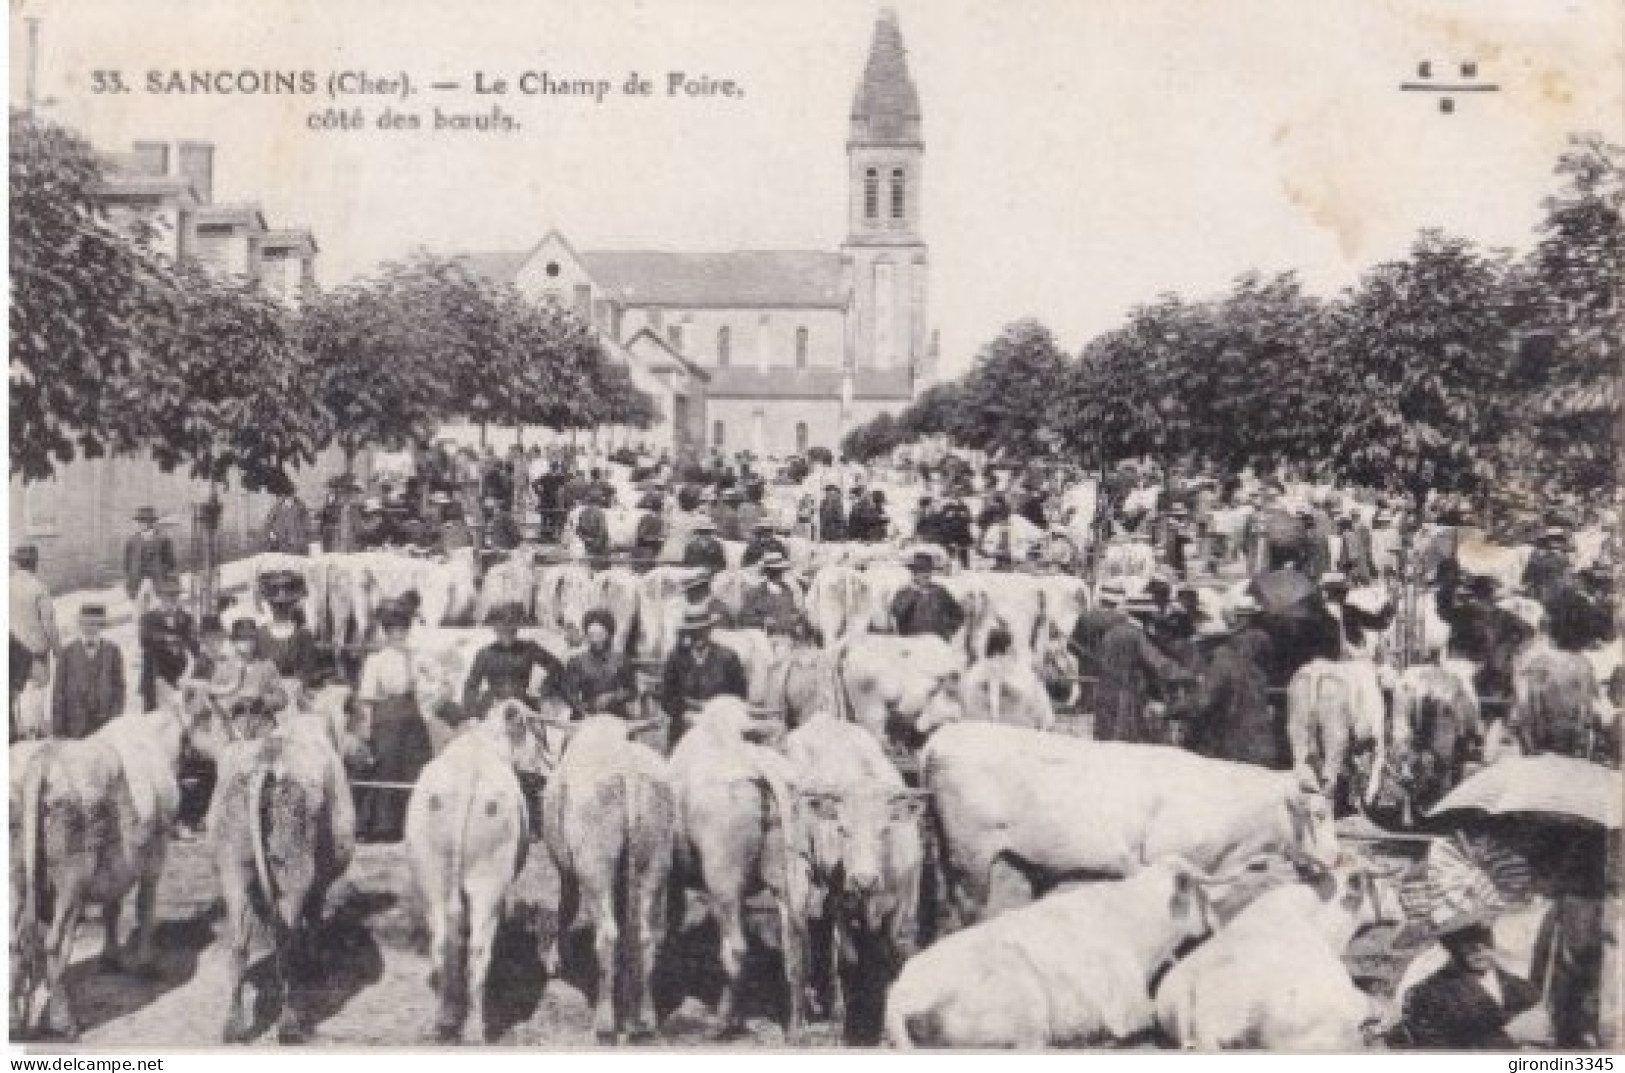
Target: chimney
196	165
151	158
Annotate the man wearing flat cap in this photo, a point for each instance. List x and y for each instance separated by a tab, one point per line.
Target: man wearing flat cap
89	686
698	670
925	606
168	637
148	557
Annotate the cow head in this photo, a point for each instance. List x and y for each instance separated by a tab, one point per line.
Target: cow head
944	702
852	832
530	738
1190	905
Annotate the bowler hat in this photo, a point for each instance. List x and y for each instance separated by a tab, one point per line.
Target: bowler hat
509	614
145	514
922	560
244	629
698	618
775	560
93	613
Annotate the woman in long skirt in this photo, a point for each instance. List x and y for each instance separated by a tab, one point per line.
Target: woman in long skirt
396	730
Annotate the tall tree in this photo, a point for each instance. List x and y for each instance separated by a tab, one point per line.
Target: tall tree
1004	397
1419	364
79	289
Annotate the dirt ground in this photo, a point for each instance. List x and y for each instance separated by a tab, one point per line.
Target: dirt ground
373	988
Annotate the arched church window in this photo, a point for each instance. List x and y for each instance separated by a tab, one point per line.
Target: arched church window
897	194
871	194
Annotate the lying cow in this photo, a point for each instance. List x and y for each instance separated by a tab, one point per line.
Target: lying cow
281	832
609	818
736	835
465	840
1274	978
1072	969
1051	807
862	839
91	820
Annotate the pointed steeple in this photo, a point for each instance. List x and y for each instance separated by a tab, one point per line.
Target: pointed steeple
886	106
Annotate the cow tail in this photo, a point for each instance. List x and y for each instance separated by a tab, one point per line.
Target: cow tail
837	684
632	915
454	972
34	843
261	780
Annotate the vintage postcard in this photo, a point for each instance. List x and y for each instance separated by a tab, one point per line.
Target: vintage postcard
869	524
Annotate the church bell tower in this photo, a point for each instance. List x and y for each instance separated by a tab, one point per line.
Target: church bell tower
884	255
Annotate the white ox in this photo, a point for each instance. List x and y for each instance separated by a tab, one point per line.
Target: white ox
1047	807
1073	969
1274	978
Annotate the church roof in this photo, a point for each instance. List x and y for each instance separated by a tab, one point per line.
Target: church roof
719	280
886	89
731	280
748	382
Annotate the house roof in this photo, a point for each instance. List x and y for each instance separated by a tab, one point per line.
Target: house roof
731	280
146	186
719	280
288	237
748	382
670	353
886	89
246	213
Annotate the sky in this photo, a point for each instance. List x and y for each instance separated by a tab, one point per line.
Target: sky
1082	156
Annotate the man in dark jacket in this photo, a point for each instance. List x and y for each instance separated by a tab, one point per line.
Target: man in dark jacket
772	606
697	594
925	606
697	671
864	519
726	516
1467	1004
510	668
149	557
651	531
1132	672
954	529
831	516
167	637
287	526
592	527
1094	624
1482	632
1548	566
704	549
89	686
1231	718
764	542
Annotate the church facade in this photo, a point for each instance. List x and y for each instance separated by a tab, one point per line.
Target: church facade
772	351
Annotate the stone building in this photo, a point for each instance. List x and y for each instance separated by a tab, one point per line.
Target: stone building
773	351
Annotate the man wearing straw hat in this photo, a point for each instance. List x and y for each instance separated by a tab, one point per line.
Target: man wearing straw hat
698	670
1468	1004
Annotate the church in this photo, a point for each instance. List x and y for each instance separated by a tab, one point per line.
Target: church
771	351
